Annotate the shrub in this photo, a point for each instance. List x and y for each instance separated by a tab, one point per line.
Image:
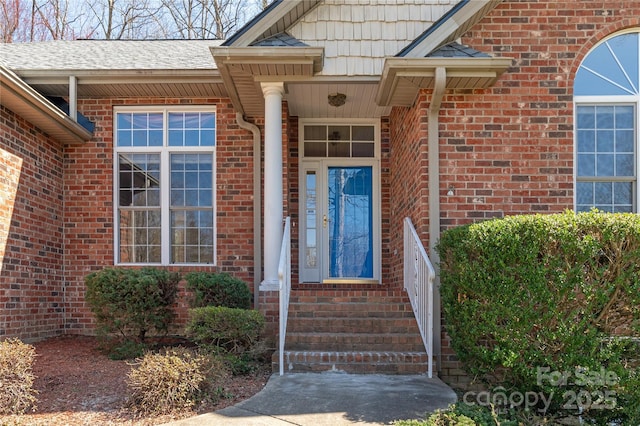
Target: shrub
132	302
232	332
526	298
175	380
218	289
16	377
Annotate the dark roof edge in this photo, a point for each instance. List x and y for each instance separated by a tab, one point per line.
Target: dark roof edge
251	23
444	18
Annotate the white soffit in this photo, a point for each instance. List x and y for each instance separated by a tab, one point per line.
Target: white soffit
402	78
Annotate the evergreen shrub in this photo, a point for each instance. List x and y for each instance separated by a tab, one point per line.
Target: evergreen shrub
528	300
218	289
132	302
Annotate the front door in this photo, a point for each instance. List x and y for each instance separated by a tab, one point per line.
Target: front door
339	219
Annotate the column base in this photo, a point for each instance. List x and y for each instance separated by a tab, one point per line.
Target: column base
270	285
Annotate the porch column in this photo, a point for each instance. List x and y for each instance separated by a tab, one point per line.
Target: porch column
273	203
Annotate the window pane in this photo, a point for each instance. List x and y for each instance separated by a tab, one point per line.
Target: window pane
604	165
623	195
137	177
315	149
605	139
139	234
363	133
190	182
586	165
363	150
586	117
610	69
192	187
315	133
339	133
191	129
624	165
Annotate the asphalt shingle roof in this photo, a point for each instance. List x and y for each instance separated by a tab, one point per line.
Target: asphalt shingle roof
109	55
456	50
280	39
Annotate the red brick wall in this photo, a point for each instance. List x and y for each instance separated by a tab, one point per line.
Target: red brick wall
507	149
31	231
88	183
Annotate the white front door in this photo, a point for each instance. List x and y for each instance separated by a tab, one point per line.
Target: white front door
339	215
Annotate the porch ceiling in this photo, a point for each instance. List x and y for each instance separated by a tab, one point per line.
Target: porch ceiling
244	68
402	78
310	100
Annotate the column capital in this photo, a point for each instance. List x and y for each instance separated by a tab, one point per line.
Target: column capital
272	88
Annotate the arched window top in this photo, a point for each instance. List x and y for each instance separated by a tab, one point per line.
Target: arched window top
611	68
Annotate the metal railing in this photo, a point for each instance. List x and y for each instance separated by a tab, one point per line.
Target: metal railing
284	283
419	277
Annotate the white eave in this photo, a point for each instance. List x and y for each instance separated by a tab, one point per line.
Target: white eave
402	78
127	83
23	100
243	68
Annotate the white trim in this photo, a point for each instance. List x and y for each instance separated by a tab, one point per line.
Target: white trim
164	151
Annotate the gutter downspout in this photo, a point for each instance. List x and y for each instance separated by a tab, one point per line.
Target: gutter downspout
257	198
440	86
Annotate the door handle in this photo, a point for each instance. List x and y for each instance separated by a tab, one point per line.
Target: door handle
324	221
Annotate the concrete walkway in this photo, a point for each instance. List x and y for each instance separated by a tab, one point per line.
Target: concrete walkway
333	399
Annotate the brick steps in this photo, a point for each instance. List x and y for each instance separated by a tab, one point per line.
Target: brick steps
356	332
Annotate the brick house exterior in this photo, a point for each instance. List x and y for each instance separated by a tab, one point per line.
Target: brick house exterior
505	139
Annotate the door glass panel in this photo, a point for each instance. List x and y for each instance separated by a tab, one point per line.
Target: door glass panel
311	249
350	222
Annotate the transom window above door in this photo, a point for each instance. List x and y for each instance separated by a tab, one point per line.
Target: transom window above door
607	96
339	141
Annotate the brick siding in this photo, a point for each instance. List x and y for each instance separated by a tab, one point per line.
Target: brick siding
31	231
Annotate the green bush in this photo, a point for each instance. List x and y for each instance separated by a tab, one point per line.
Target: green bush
175	380
132	302
218	289
528	298
461	415
16	377
232	332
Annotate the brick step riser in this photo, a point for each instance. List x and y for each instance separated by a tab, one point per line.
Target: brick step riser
319	313
341	343
354	362
298	325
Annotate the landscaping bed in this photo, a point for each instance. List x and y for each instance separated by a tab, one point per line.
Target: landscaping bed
78	384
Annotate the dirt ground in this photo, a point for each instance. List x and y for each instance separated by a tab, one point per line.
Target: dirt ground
79	385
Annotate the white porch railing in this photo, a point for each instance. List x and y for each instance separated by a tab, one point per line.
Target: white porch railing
419	277
284	281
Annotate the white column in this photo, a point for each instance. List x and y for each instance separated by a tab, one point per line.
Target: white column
273	208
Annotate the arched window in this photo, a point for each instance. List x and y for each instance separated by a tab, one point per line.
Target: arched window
607	97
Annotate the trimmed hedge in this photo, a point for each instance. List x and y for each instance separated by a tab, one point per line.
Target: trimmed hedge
132	302
526	298
233	330
218	289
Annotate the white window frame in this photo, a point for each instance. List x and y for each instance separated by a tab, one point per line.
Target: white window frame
319	164
608	100
627	100
165	166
